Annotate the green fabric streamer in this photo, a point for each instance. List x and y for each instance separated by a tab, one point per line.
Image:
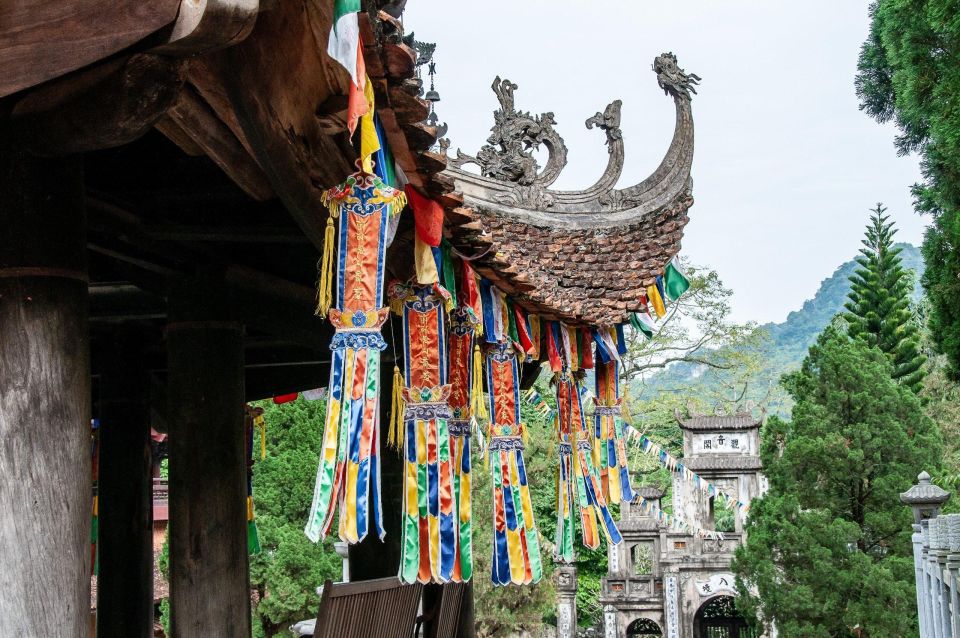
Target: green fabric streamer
512	325
253	538
449	275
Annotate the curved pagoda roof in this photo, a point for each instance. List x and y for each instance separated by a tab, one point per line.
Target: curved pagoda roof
580	256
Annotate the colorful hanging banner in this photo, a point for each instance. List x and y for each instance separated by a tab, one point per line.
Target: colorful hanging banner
349	464
609	445
462	351
579	487
429	546
516	549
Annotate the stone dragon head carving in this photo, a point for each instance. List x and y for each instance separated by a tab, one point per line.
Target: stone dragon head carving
672	79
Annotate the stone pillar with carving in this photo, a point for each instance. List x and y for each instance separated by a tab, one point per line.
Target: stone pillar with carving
671	604
566	601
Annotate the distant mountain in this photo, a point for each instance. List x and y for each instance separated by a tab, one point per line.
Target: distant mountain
789	339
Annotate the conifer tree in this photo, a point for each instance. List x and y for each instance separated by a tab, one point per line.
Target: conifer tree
879	308
828	551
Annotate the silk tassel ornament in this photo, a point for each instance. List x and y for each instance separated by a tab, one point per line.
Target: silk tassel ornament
516	547
397	407
348	474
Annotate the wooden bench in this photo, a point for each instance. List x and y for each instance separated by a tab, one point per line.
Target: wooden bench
381	608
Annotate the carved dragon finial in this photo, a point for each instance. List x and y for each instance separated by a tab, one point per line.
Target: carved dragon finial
508	153
511	180
672	79
504	91
609	122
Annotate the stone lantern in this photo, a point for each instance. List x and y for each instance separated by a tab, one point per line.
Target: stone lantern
929	557
924	498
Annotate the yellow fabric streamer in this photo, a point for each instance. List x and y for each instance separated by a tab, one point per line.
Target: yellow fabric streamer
424	262
653	296
369	142
395	435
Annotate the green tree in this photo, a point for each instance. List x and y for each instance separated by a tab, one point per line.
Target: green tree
909	72
697	352
879	308
288	571
828	551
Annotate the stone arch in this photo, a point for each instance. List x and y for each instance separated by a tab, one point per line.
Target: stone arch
718	616
643	627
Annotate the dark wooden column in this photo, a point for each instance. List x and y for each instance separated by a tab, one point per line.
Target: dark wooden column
209	566
125	581
45	494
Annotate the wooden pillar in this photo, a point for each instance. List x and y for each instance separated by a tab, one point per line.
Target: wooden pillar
209	566
45	492
125	489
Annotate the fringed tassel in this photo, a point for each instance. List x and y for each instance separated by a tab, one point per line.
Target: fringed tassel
625	406
478	407
395	434
325	287
261	424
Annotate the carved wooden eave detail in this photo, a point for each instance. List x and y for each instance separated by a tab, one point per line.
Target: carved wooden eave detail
587	255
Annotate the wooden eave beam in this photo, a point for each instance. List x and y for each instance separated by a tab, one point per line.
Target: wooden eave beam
44	39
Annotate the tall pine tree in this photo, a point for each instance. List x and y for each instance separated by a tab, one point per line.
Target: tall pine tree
879	309
908	74
828	551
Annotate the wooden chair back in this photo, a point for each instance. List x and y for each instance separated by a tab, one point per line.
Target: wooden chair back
381	608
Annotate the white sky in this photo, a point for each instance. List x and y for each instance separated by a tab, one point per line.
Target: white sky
786	166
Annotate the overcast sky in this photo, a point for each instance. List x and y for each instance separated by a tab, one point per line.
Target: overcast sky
786	166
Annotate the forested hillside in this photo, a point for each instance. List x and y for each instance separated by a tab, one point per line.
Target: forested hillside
787	341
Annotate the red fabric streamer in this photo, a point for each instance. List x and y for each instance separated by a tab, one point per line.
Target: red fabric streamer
553	351
427	217
586	349
471	294
525	341
285	398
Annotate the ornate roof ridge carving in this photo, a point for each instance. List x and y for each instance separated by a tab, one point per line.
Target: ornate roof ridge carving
512	183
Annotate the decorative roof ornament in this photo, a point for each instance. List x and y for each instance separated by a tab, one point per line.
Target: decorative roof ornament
512	182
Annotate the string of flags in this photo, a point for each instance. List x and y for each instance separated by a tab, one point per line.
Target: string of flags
675	522
674	465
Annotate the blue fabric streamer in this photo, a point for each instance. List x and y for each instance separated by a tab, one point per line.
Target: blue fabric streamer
486	300
602	350
621	340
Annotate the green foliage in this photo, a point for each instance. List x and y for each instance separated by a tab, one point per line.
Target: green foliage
879	309
290	568
909	72
828	551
